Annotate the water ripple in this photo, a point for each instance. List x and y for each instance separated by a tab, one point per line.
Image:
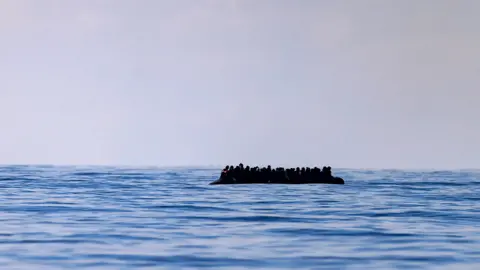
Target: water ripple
115	218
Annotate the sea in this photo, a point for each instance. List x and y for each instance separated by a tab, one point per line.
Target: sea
74	217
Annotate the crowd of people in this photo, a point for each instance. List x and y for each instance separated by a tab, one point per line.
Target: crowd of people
279	174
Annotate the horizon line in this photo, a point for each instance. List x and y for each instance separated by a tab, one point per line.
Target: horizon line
211	166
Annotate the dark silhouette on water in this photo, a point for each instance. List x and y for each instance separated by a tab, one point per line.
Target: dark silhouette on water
280	175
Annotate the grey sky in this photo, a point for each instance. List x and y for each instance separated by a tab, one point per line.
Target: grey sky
344	83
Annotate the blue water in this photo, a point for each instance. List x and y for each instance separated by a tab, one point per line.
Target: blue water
141	218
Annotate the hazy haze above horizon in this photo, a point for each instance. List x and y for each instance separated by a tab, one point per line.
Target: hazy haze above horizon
374	83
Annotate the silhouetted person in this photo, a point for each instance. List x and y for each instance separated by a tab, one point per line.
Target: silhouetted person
224	171
308	174
329	171
290	175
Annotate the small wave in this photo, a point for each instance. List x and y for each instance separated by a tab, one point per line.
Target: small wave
108	217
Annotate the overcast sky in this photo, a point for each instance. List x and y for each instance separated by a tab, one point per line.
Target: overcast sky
356	84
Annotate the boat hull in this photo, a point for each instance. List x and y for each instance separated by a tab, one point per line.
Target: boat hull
233	181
